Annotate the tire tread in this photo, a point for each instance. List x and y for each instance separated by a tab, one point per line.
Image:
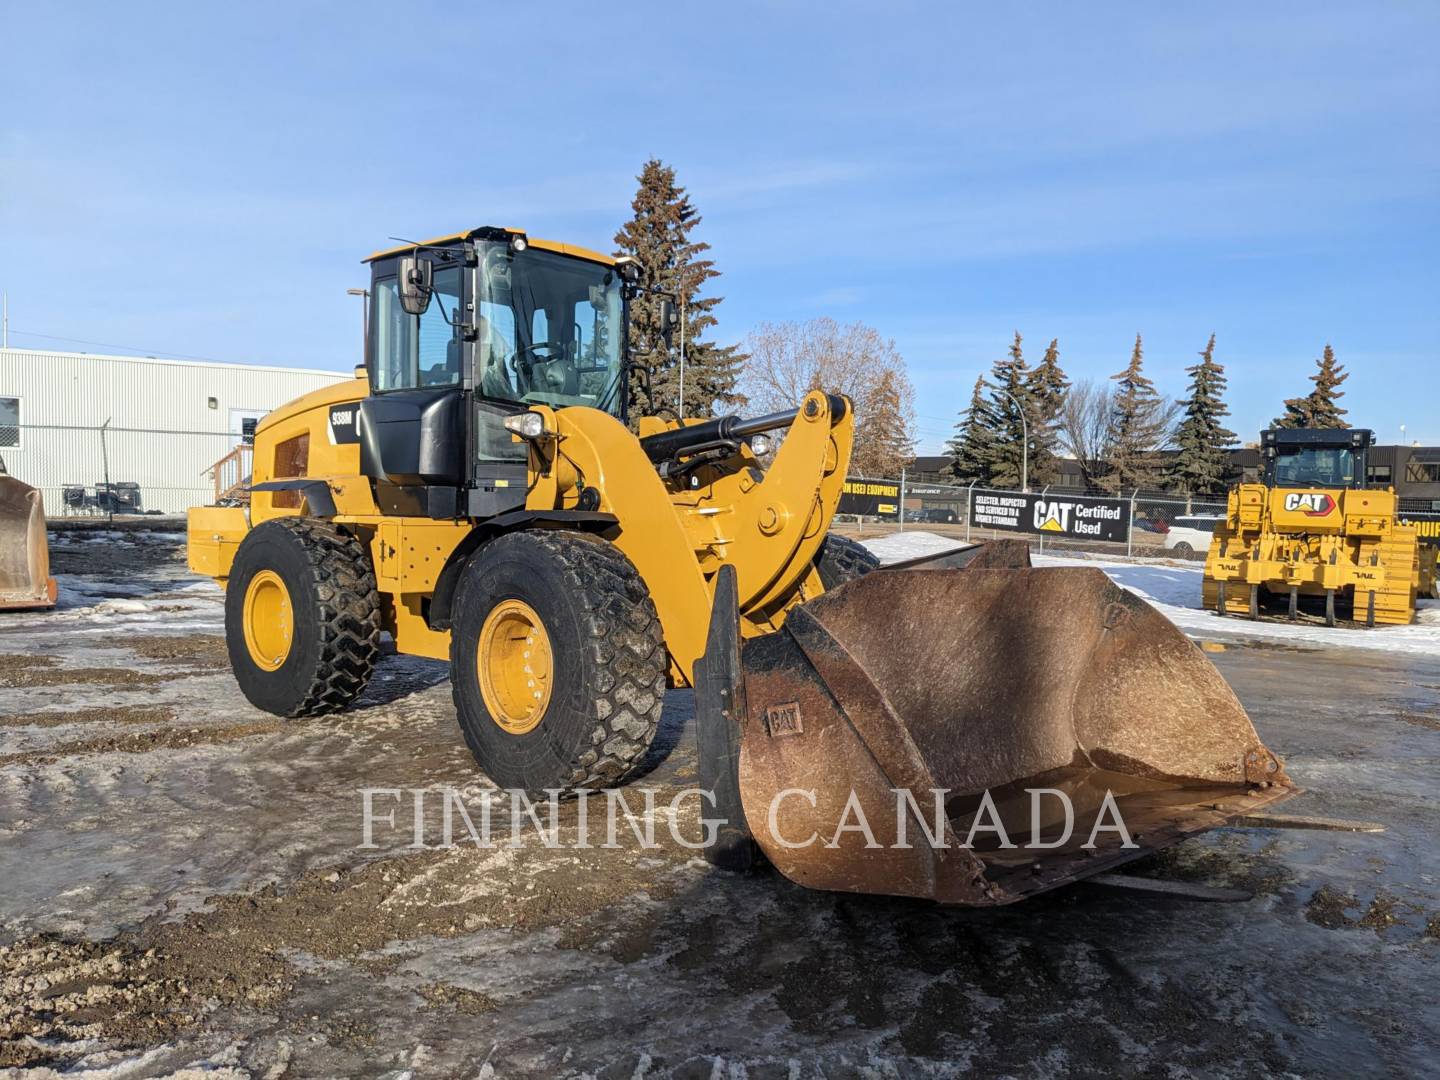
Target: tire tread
348	613
625	643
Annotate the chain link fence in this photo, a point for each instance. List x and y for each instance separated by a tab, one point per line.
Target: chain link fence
105	472
1162	524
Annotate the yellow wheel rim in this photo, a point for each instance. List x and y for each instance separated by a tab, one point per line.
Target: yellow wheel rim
516	666
269	620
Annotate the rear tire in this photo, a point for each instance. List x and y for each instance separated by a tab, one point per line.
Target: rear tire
1183	550
302	617
573	605
842	559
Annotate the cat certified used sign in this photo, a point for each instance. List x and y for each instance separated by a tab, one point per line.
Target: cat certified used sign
871	497
1075	516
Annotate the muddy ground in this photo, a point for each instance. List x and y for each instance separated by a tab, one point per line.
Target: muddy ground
185	887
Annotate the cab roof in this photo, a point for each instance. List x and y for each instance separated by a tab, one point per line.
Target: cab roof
490	230
1317	437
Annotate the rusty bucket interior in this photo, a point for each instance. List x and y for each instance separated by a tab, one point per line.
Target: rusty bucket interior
984	685
25	580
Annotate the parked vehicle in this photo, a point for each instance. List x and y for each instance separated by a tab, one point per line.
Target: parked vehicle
939	515
1188	535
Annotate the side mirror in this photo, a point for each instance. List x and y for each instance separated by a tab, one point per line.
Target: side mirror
669	319
415	284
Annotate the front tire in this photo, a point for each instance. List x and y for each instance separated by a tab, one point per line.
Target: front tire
302	617
557	661
842	559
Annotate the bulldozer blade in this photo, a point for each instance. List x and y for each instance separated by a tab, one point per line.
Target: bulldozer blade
25	580
977	736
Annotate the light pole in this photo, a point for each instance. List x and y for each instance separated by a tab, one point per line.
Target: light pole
1024	442
680	291
364	295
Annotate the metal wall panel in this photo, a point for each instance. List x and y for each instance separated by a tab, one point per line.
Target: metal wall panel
163	433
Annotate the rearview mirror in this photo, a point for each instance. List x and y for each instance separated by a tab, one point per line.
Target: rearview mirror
669	319
415	284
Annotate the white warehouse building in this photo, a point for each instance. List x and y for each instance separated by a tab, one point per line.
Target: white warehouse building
132	434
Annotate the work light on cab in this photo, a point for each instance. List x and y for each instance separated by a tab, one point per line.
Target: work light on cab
528	425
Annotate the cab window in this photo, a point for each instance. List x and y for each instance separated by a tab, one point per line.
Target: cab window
411	351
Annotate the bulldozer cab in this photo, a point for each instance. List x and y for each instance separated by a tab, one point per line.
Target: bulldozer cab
1314	457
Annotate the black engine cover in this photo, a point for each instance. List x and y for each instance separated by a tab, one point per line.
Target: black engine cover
414	437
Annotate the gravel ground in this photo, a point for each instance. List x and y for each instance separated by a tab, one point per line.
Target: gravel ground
185	889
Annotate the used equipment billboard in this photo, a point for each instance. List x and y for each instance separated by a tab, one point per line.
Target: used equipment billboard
1076	516
1426	524
874	498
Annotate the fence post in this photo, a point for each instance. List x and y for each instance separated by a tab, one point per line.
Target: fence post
902	498
105	467
1042	535
1130	531
969	494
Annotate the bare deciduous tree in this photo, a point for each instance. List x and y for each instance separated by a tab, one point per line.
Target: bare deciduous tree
787	360
1085	425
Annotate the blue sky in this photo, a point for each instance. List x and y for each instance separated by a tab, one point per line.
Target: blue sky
202	180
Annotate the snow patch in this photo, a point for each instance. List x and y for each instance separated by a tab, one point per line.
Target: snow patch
897	547
121	607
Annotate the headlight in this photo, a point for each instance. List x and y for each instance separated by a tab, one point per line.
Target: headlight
528	425
760	445
518	243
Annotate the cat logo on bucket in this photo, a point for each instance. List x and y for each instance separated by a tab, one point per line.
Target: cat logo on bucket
1312	503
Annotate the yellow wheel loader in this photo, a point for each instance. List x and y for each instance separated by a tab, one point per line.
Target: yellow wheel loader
1312	535
475	493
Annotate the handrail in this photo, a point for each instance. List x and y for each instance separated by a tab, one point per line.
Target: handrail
232	473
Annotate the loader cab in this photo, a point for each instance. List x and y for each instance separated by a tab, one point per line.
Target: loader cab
1315	457
468	330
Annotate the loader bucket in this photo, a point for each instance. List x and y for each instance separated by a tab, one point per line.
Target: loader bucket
982	684
25	580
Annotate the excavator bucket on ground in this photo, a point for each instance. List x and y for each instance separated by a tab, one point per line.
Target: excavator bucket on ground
980	722
25	580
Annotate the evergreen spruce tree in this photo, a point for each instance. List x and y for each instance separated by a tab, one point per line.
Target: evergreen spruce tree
973	443
883	445
1321	407
1202	440
1047	391
1139	426
1010	393
659	237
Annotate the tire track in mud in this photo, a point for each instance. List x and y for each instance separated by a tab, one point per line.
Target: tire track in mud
25	671
118	714
142	742
248	951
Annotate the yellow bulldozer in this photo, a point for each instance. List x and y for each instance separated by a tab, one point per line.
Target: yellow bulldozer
475	493
1312	534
